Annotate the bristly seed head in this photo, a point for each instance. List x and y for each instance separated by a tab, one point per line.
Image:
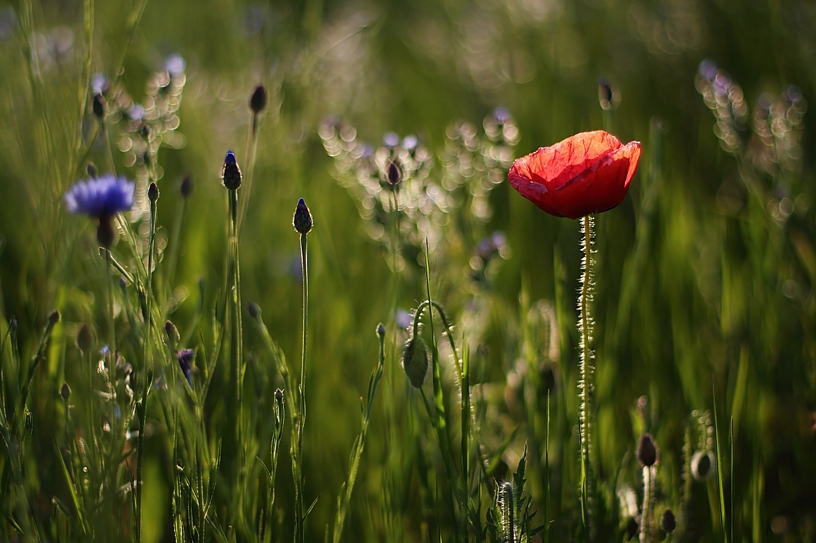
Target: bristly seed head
415	361
302	220
257	102
231	173
647	450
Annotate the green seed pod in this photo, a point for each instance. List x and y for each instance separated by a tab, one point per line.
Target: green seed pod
415	361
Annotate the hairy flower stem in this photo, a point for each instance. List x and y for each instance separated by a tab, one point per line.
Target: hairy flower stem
237	342
585	385
646	512
304	262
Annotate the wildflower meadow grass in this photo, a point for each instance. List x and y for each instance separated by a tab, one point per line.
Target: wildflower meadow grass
301	271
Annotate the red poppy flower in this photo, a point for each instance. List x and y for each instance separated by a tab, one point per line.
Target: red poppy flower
584	174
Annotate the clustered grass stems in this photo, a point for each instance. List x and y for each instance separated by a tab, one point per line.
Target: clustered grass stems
585	326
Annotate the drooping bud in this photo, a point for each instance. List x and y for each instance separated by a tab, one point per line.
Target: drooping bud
99	106
85	339
415	361
702	465
302	220
186	187
394	172
231	173
647	450
668	523
153	192
257	102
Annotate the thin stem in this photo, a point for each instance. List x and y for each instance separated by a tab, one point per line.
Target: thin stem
304	261
585	385
237	340
645	523
252	147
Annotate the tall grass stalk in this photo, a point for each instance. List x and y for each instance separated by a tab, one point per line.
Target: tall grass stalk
719	467
585	385
344	499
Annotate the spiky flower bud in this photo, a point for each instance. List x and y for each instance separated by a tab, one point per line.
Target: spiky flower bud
394	172
153	192
702	465
302	220
230	172
85	339
415	361
257	102
186	187
668	523
254	310
65	391
647	450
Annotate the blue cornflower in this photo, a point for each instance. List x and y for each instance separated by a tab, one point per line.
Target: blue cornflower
185	360
231	173
100	198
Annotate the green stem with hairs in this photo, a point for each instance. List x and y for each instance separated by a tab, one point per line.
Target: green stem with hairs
304	262
585	385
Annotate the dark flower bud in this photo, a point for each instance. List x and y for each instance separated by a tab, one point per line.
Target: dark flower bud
647	450
185	360
53	317
173	336
702	465
99	106
415	361
231	173
65	391
631	529
254	310
302	220
186	187
85	339
257	102
93	173
394	172
278	395
381	330
668	523
153	192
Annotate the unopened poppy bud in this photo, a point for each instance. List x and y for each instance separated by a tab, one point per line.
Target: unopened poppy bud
65	391
702	465
231	173
93	173
647	450
415	361
85	339
381	330
394	172
186	187
631	529
254	310
53	317
153	192
257	102
668	523
105	233
302	220
173	336
99	106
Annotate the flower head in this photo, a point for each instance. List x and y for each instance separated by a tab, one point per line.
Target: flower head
231	173
584	174
100	198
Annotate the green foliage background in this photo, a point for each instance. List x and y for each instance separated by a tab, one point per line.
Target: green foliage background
705	281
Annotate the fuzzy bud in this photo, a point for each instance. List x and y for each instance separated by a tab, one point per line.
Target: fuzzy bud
302	220
153	192
231	173
415	361
257	102
647	450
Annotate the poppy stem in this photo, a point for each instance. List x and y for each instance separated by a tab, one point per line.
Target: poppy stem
585	324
